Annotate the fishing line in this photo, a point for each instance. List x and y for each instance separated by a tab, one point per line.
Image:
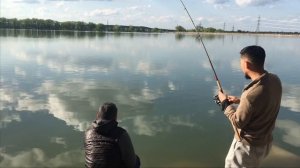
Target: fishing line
200	37
212	67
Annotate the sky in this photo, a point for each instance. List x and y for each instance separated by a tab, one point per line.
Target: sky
272	15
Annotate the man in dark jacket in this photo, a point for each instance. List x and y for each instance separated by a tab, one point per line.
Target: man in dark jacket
106	144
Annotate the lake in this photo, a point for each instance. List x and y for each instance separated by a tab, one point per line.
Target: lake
52	84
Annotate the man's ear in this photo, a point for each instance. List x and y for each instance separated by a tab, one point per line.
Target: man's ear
248	65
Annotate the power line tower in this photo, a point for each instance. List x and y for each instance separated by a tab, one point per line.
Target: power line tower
224	26
258	25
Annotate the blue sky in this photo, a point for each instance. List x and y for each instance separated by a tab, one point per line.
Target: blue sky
275	15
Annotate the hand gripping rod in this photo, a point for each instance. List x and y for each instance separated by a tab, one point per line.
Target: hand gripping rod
199	35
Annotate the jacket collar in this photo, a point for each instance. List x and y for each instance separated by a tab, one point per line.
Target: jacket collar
104	126
256	80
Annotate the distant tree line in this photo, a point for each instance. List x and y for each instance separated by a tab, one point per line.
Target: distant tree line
48	24
200	28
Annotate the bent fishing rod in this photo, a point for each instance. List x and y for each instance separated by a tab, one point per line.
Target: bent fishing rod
216	98
200	37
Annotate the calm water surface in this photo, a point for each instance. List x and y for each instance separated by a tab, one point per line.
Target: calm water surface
52	84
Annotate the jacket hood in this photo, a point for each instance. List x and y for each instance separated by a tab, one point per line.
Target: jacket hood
104	126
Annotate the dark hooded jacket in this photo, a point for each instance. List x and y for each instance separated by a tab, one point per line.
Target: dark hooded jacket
107	145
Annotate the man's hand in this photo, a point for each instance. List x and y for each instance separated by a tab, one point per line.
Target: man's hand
224	100
233	99
222	96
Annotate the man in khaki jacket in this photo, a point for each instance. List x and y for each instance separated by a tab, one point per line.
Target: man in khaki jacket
254	118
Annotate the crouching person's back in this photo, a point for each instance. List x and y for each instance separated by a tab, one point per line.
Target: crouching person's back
106	144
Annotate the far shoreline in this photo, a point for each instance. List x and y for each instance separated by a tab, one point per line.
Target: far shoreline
240	33
189	33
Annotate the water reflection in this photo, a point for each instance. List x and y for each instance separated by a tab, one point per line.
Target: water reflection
179	36
34	33
51	87
152	125
291	129
75	101
291	94
36	157
280	157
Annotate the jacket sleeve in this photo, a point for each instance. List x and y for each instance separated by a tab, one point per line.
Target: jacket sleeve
241	115
127	150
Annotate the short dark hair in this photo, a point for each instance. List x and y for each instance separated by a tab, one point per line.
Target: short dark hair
255	54
108	111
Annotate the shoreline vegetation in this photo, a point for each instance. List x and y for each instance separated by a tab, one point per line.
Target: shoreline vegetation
78	26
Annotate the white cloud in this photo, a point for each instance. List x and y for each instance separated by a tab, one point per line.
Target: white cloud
150	126
28	102
148	69
146	95
290	97
58	99
254	2
235	65
7	118
42	12
19	71
58	140
291	129
199	19
171	86
103	12
243	18
181	121
212	112
217	1
147	127
60	4
58	109
26	1
20	100
14	98
280	157
129	14
165	18
36	157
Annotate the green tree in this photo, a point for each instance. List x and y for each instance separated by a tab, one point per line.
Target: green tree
100	27
116	28
180	28
210	29
67	26
130	29
156	30
80	26
91	26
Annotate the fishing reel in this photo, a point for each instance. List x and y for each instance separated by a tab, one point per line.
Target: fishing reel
217	100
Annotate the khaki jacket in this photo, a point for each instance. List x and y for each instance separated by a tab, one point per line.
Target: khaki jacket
256	114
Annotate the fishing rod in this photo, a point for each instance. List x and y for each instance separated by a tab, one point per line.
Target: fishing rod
200	37
216	98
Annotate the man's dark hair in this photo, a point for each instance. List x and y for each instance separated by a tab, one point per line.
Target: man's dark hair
108	111
255	54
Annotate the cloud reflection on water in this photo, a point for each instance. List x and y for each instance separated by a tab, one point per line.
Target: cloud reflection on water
154	124
290	97
142	77
291	131
76	100
36	157
69	100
